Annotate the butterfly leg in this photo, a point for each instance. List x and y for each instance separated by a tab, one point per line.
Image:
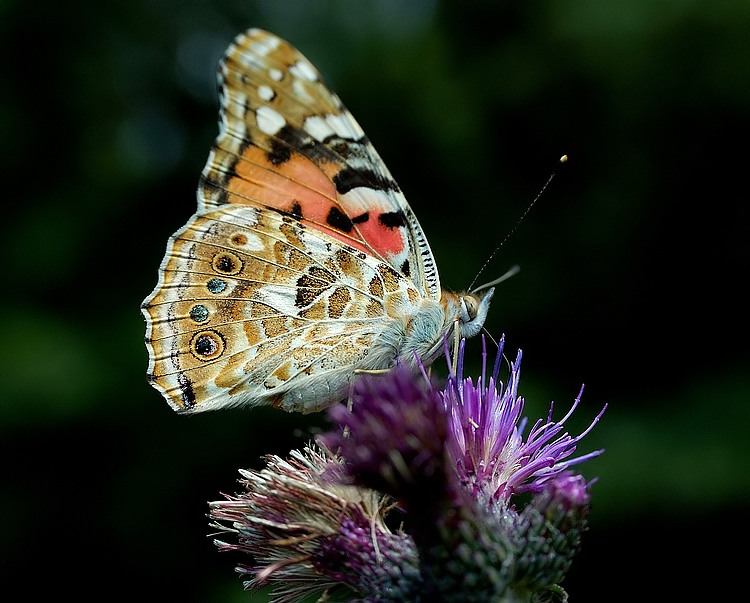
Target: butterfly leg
349	401
456	344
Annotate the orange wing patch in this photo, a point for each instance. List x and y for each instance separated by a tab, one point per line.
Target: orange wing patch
307	190
298	187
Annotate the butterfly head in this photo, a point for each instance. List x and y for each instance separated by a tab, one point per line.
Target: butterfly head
472	311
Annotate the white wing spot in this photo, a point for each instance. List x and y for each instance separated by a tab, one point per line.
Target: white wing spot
345	126
303	70
301	91
318	128
251	61
266	93
254	243
269	121
235	98
268	44
275	74
242	216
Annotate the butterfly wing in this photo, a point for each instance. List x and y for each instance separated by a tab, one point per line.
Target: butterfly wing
302	253
253	307
286	141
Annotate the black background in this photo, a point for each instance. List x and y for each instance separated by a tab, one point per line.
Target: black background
633	263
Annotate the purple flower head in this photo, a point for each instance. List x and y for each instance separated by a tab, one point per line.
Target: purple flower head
486	443
305	533
570	490
393	438
448	463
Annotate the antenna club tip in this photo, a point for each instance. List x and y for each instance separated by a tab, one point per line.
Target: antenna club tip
563	159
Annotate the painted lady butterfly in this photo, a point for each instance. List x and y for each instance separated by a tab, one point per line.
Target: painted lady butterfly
303	264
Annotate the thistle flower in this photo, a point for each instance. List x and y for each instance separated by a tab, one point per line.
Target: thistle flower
451	462
486	445
308	533
401	426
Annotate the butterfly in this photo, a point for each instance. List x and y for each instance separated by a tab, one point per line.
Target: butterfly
303	263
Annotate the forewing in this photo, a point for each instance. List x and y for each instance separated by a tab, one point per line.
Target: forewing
287	142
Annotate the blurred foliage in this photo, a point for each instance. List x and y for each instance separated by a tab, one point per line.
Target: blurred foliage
632	262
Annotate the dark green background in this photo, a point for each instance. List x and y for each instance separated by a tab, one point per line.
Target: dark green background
633	263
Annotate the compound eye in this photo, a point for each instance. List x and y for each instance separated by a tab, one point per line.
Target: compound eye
470	306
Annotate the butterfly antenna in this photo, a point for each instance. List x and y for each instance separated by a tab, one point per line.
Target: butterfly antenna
511	272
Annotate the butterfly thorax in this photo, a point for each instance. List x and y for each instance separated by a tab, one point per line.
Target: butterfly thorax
435	321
